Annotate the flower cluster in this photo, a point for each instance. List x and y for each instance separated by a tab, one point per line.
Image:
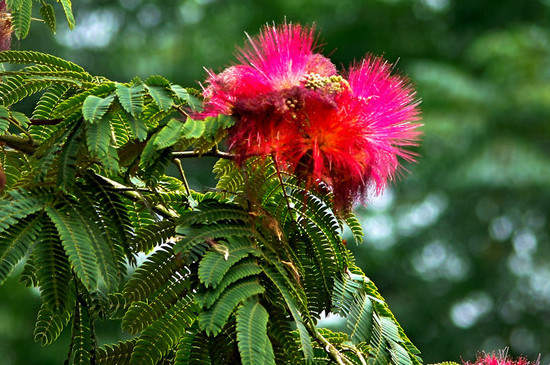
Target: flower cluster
5	27
344	130
501	359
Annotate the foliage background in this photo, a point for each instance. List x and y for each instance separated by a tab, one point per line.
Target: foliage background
460	246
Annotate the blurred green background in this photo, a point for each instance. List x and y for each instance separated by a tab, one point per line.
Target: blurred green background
460	245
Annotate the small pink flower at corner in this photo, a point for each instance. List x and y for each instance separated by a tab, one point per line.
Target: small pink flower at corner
346	131
501	359
5	27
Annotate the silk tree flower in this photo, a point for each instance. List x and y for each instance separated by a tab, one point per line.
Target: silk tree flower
5	27
346	131
501	359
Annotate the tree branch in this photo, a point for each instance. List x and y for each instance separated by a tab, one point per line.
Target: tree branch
135	195
24	145
329	348
212	153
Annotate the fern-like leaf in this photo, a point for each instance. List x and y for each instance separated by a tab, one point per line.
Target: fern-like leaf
359	321
68	159
141	314
152	274
161	96
157	339
22	19
216	263
67	8
22	203
212	320
40	59
50	323
131	98
118	354
53	271
94	107
16	241
77	245
195	235
74	103
98	139
193	348
284	287
254	344
245	268
48	15
82	343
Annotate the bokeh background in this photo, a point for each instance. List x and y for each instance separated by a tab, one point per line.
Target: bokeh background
459	245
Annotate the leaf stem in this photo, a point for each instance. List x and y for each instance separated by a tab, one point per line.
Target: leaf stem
183	179
212	153
21	144
327	346
135	195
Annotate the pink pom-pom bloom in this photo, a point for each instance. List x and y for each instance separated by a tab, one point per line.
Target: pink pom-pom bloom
290	103
501	359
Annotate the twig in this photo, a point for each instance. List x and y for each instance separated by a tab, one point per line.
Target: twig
212	153
183	179
135	195
19	143
45	121
327	346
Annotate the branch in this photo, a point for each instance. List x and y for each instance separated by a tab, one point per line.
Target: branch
21	144
212	153
45	121
327	346
135	195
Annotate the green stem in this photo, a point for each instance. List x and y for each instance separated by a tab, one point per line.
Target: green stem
212	153
21	144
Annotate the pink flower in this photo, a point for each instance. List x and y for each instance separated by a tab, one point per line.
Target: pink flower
5	27
289	102
501	359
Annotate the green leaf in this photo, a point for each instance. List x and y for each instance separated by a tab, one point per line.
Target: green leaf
21	19
82	343
67	159
212	320
21	118
159	338
67	8
253	342
4	125
118	354
14	4
131	98
74	103
359	321
193	128
52	269
98	139
105	241
39	59
282	284
138	128
16	241
94	107
215	264
244	268
77	245
184	95
193	348
48	15
169	135
160	96
50	323
152	274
